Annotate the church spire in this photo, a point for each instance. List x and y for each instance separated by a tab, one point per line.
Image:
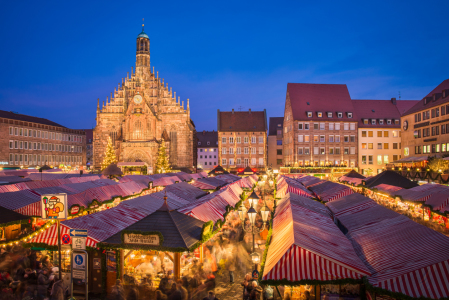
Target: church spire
98	104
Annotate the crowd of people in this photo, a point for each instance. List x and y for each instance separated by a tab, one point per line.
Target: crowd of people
27	274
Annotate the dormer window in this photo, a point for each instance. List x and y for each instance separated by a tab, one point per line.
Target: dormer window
199	143
208	143
309	114
388	121
373	121
365	121
381	122
339	115
349	114
319	114
396	122
329	114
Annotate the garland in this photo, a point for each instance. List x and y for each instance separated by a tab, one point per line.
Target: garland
25	238
23	221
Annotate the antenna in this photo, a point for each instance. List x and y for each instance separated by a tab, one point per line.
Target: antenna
240	108
399	95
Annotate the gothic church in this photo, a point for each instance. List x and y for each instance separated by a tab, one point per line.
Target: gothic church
141	113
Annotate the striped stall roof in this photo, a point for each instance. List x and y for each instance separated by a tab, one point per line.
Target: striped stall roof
290	185
229	178
387	189
330	191
210	183
185	191
420	193
402	255
307	245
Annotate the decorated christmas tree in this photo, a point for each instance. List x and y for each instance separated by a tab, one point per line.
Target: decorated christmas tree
162	163
109	155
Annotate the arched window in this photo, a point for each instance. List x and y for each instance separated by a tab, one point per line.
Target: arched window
138	130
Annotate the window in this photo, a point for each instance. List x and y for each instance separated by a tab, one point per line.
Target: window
306	126
260	139
20	145
337	139
253	150
319	114
331	126
373	122
223	140
223	150
315	126
246	139
279	142
349	114
260	150
379	134
363	145
300	138
352	138
245	150
345	126
322	138
231	140
364	160
11	131
370	145
309	114
208	143
231	161
339	115
329	114
388	121
11	144
395	157
337	126
239	161
253	140
363	133
199	143
395	133
379	145
331	150
201	156
352	126
239	140
346	150
337	150
279	151
25	145
443	110
315	138
370	134
379	159
306	138
253	161
370	159
385	145
306	151
352	150
346	139
16	144
315	150
322	151
223	161
261	162
395	145
437	148
381	122
300	151
16	131
300	126
331	139
322	126
231	150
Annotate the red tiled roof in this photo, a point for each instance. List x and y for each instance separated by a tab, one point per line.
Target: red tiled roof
242	121
376	109
274	122
26	118
305	97
404	105
438	90
207	136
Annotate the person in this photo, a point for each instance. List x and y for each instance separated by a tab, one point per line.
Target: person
43	280
58	290
5	279
160	295
256	291
231	269
133	293
269	293
22	291
182	290
210	296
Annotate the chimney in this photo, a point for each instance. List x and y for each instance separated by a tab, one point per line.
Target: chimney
204	132
232	111
250	110
393	100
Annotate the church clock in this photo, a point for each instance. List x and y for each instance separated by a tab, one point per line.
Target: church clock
137	99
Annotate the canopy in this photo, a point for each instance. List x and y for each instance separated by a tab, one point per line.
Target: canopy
420	193
354	174
387	189
307	246
218	170
210	183
289	185
247	171
414	259
9	216
329	191
410	159
391	178
112	170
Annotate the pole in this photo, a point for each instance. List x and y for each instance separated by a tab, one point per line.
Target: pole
254	248
59	249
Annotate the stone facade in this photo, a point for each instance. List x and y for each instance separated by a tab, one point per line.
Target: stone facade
142	111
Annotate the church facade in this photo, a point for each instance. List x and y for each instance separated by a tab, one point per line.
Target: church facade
140	114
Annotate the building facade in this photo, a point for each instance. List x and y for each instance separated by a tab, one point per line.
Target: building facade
207	150
141	113
31	142
320	126
275	142
379	133
242	139
89	147
425	126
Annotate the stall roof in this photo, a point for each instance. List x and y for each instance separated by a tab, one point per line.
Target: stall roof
218	170
307	246
247	171
290	185
329	191
391	178
402	255
178	230
354	174
8	216
210	183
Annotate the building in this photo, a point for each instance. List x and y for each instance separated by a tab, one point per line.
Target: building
89	147
207	150
320	126
30	142
379	132
275	142
242	139
425	126
141	113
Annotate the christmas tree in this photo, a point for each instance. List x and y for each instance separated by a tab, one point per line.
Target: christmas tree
162	164
109	155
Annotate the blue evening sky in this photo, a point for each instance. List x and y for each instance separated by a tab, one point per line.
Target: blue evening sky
58	57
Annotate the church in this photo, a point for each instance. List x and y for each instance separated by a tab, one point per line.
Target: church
141	113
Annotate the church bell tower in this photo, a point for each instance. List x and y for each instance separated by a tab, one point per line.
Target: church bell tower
143	50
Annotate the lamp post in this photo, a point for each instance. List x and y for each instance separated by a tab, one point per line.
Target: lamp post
252	214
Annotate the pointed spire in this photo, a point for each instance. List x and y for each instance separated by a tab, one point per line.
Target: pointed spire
188	109
182	105
127	75
107	102
157	74
103	106
175	95
111	96
153	69
178	101
165	206
98	104
132	71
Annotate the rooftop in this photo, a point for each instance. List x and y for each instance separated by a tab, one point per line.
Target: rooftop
207	136
242	120
275	124
16	116
437	97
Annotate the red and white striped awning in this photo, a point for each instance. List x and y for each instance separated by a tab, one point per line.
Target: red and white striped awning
330	191
290	185
50	236
307	245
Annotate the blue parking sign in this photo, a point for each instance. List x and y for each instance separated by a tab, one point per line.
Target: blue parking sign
79	261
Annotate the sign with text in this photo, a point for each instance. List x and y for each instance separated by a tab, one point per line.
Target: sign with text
79	261
79	274
54	206
78	232
79	243
133	238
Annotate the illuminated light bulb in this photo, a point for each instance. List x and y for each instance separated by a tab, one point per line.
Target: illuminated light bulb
133	255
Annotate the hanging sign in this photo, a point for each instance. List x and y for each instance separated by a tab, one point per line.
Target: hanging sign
54	206
133	238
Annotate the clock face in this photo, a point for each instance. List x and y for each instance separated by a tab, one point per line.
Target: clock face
137	99
405	125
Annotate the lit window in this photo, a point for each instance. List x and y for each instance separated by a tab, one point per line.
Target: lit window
319	114
309	114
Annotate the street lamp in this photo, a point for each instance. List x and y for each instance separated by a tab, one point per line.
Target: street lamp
252	214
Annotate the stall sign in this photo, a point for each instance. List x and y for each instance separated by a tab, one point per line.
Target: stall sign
79	243
79	274
111	262
54	206
74	210
79	261
97	263
132	238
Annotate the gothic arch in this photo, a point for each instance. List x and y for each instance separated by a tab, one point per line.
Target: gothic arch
139	155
